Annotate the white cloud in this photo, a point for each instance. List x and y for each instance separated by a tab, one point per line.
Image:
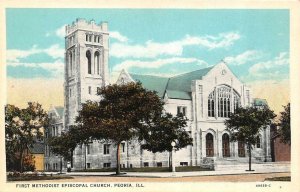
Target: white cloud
61	32
262	68
54	51
153	49
56	68
157	63
13	55
244	57
116	35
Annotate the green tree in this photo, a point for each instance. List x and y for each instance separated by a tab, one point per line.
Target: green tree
246	123
64	144
167	129
284	125
22	128
125	112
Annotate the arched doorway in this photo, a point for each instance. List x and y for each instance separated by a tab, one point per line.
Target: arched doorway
241	149
225	145
209	145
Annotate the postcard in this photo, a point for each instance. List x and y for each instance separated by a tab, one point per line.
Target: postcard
165	96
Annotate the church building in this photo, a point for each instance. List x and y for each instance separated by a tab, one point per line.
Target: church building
205	96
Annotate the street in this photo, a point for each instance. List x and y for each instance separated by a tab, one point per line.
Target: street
215	178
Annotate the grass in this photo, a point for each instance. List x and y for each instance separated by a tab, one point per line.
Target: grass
149	169
287	178
33	176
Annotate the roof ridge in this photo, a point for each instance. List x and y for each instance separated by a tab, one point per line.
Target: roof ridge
166	88
149	75
191	72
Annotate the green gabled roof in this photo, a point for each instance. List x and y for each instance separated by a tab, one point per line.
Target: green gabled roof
36	148
179	94
183	82
152	83
60	111
260	102
177	87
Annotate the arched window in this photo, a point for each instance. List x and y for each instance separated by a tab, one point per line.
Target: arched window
258	142
225	145
222	101
97	62
71	63
89	62
211	104
209	145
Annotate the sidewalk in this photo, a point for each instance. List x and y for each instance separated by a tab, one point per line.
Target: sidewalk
219	170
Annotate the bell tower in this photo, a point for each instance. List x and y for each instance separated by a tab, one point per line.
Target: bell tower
86	64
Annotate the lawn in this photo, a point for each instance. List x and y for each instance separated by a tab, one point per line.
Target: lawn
287	178
29	177
149	169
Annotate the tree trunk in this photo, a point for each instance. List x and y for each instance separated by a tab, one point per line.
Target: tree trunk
170	162
85	149
118	168
249	150
21	161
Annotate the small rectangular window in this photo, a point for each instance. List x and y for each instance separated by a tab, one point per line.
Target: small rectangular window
106	165
90	90
98	90
181	110
146	164
88	149
86	37
184	164
123	147
88	165
159	164
106	149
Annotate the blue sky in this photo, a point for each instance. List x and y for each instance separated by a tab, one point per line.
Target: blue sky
254	43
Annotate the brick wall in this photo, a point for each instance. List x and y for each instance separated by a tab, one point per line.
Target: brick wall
282	152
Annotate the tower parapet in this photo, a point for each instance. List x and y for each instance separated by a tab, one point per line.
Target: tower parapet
83	24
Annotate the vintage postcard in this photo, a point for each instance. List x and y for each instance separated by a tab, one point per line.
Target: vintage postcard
163	96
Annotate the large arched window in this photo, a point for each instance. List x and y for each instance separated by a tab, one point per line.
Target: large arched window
209	145
97	62
220	99
225	145
89	62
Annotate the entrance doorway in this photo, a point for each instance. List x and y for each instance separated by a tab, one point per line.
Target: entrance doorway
241	149
225	144
209	145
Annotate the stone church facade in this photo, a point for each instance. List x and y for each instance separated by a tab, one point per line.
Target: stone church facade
205	97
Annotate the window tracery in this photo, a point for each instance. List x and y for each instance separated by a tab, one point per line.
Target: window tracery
221	100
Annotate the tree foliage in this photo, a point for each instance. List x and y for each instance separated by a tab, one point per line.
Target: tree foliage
125	112
65	144
166	130
284	125
246	123
22	128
